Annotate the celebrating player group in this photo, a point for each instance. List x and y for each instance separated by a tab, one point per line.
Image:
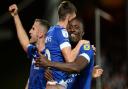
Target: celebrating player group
61	59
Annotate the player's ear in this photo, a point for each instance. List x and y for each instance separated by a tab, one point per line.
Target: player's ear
41	34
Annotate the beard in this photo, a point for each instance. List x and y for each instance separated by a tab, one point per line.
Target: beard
74	38
73	41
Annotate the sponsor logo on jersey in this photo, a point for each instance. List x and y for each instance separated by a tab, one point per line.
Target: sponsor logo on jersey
87	47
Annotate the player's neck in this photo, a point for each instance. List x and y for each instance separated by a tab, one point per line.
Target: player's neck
63	23
40	44
73	44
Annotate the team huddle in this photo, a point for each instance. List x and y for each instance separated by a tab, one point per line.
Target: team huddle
61	59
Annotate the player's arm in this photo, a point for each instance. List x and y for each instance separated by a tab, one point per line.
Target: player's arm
70	54
70	67
22	35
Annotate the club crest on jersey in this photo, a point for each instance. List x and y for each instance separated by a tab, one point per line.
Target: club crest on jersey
64	33
87	47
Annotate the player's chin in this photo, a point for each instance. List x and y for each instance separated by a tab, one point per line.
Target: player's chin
74	39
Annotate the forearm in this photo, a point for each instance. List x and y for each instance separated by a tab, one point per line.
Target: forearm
67	67
75	52
22	36
71	67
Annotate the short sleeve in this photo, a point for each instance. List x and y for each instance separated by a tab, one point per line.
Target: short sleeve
30	50
62	38
86	51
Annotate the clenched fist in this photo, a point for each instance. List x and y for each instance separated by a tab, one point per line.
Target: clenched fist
13	9
84	42
97	71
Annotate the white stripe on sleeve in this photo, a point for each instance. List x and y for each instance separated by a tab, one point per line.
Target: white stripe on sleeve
86	56
65	44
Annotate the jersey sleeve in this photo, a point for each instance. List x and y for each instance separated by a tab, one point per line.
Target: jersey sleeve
30	50
62	38
86	51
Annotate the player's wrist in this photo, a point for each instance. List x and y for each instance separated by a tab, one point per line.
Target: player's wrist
51	64
48	64
15	14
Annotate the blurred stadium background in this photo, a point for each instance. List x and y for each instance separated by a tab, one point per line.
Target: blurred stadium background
112	44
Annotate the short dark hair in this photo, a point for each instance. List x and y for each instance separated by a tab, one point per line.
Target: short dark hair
43	23
65	7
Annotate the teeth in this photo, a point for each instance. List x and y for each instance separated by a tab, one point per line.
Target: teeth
72	35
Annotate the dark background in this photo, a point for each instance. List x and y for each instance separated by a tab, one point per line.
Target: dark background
15	65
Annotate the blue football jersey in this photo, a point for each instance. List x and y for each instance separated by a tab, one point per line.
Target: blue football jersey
57	39
36	78
83	80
